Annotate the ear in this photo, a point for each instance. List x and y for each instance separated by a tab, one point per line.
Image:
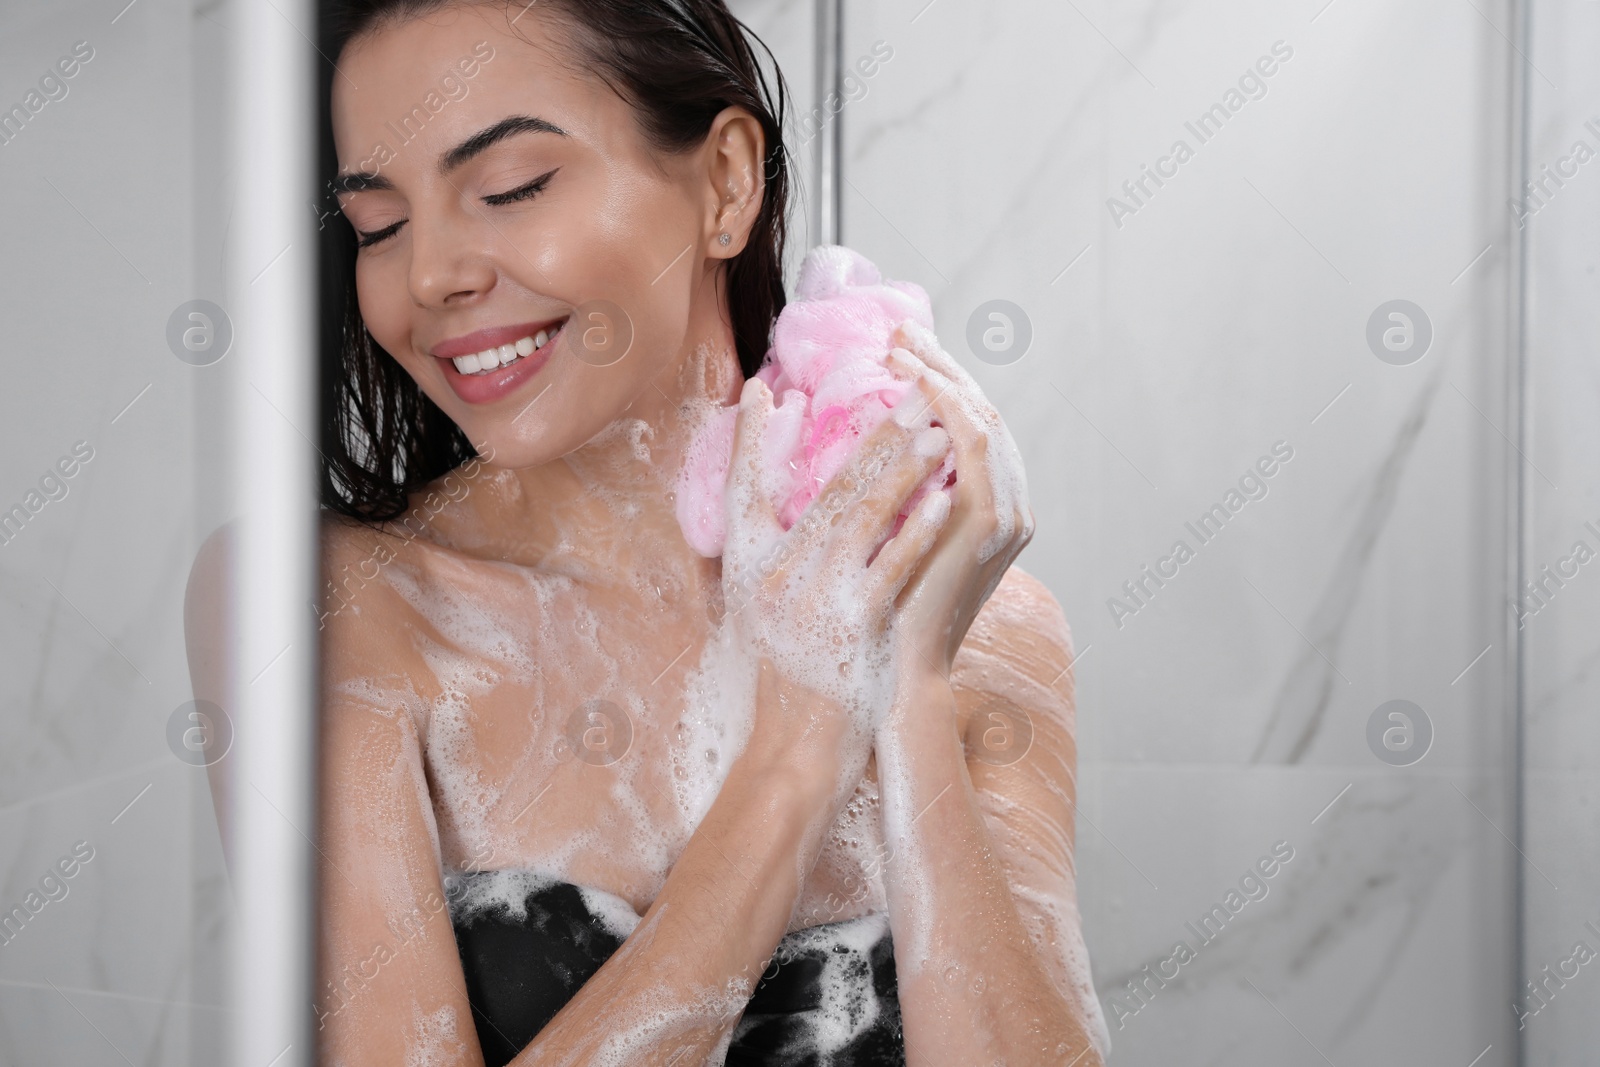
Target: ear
736	148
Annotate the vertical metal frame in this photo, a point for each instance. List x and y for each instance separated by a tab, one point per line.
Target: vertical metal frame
1518	490
829	176
271	292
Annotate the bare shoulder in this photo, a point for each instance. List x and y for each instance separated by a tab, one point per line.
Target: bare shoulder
354	556
367	629
1020	648
347	541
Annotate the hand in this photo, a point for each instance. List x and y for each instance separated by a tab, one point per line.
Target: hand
812	604
990	520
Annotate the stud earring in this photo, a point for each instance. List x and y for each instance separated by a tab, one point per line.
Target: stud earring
724	238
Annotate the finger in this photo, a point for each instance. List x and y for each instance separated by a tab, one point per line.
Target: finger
870	521
884	452
912	335
944	405
751	518
952	381
990	478
897	560
908	367
991	486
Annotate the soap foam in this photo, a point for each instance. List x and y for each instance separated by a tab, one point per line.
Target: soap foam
848	1004
615	915
437	1043
1050	917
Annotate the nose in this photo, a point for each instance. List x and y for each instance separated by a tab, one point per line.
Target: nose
450	263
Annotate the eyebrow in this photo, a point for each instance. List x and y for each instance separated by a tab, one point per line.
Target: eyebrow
360	181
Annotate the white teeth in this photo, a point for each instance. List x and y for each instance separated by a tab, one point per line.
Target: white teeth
492	358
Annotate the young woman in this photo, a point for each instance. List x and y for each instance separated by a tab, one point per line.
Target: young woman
590	797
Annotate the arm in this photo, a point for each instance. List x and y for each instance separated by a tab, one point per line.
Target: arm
1017	664
674	991
974	984
981	882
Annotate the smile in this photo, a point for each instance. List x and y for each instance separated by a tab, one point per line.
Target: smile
503	356
484	366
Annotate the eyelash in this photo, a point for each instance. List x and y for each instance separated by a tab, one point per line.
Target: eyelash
522	192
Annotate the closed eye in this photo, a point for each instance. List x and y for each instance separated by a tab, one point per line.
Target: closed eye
522	192
526	191
378	235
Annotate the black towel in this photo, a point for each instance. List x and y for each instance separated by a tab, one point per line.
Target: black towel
521	971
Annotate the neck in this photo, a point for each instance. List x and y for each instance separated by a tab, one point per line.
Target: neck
606	509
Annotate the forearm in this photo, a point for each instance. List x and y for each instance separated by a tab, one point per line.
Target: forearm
972	986
675	989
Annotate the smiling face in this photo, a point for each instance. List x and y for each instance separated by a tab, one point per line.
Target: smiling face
524	253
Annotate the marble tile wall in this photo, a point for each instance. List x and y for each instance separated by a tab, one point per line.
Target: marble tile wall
1180	332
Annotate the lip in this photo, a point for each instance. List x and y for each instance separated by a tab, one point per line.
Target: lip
487	388
491	337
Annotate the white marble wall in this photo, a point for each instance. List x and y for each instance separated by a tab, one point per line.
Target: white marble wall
1563	635
101	237
1173	345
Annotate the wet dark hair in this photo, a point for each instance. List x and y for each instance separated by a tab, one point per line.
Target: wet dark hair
679	63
